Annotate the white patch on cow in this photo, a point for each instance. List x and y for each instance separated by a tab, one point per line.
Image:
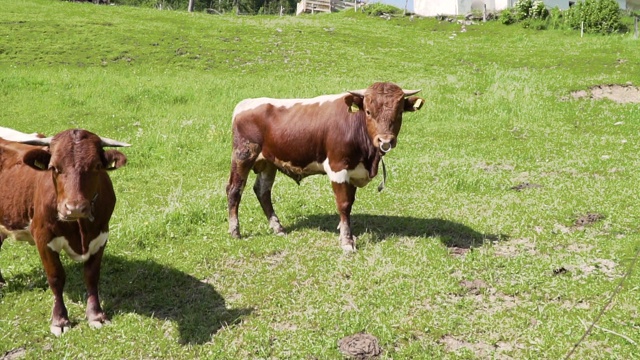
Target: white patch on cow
359	176
339	177
61	243
19	235
249	104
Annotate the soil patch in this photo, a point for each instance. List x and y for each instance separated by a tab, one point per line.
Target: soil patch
619	93
525	185
588	219
473	287
14	354
457	251
360	346
516	247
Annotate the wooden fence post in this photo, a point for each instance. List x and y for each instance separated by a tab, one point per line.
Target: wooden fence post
636	32
484	13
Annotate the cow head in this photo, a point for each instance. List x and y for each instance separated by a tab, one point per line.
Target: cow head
383	104
76	160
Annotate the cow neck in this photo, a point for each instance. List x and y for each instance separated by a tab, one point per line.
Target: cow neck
371	155
83	234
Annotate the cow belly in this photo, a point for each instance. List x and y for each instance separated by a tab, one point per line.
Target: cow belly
61	243
19	235
359	176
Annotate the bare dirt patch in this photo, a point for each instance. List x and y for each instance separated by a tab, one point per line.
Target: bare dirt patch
622	94
516	247
588	219
360	346
14	354
525	185
473	287
480	349
458	251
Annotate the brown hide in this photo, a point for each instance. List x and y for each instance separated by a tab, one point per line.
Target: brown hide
61	191
343	135
306	134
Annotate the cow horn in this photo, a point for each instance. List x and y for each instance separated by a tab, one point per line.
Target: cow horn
113	143
20	137
359	93
411	92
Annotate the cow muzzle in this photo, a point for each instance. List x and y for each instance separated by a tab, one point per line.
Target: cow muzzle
385	144
72	211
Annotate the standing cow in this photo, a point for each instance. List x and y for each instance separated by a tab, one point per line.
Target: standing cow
55	193
343	136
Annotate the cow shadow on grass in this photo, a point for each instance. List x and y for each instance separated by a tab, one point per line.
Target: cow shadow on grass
380	227
146	288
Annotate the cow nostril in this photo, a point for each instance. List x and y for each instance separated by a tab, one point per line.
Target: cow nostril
385	146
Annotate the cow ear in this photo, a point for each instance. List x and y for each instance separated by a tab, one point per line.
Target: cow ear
114	159
354	103
37	159
413	103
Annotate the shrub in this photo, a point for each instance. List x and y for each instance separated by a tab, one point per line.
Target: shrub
598	16
377	9
538	10
523	9
506	17
556	19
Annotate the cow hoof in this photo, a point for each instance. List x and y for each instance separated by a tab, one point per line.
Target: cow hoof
235	233
97	324
59	330
348	248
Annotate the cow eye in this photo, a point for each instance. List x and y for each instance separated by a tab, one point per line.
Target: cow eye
368	112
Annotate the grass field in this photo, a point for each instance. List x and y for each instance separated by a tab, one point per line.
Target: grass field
452	263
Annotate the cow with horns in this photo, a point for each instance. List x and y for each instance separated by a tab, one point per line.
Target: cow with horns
344	136
56	194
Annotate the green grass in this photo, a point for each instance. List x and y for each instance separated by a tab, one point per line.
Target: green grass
176	286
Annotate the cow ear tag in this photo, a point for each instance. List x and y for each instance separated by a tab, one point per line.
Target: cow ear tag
417	104
39	165
354	108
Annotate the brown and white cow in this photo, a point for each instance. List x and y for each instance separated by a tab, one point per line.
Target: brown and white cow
55	193
343	136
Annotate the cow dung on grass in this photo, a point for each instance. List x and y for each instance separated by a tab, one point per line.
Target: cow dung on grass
360	346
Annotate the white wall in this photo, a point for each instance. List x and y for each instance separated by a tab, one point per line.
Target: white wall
462	7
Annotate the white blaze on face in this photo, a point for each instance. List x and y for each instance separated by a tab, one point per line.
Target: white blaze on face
249	104
61	243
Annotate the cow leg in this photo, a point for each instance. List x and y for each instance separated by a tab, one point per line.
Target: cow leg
345	194
95	315
2	282
242	160
56	278
262	188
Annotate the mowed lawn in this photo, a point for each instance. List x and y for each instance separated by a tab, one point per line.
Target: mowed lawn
510	214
